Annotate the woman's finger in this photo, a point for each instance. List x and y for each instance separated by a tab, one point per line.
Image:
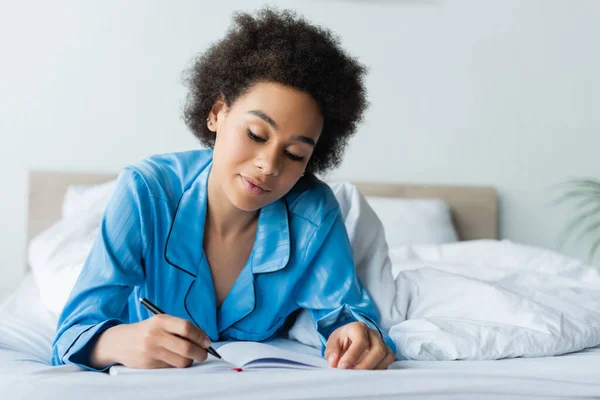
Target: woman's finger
183	347
375	354
360	342
333	350
185	329
173	359
385	363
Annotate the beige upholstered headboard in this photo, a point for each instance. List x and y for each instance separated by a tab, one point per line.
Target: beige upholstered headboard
474	208
46	193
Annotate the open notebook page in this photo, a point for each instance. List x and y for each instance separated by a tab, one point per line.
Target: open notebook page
247	355
257	355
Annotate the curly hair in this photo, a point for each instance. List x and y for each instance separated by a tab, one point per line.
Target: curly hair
284	48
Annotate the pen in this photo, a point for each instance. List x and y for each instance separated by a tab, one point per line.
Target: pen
155	310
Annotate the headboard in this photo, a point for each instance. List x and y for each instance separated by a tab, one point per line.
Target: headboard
474	208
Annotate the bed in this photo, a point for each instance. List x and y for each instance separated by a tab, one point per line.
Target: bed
27	328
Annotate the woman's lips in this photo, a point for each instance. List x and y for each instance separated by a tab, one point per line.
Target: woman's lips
253	187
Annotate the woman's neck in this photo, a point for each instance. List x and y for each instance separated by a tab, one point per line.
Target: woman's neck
223	218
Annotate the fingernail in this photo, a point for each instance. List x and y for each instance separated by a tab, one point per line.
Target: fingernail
343	365
206	343
331	359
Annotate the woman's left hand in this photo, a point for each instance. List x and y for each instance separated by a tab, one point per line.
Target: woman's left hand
356	346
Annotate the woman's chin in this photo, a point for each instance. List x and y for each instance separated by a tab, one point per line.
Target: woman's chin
246	203
249	199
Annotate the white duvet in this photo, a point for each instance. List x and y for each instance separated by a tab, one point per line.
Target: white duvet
466	310
473	300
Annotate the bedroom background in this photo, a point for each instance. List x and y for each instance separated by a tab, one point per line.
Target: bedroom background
498	93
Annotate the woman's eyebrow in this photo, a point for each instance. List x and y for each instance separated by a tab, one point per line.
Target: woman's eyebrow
269	120
265	118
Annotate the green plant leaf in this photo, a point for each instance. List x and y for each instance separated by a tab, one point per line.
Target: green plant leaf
592	227
575	223
593	250
589	183
584	196
582	181
573	194
578	182
592	187
586	202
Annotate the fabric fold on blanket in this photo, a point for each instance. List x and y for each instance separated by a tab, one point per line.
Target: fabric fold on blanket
473	300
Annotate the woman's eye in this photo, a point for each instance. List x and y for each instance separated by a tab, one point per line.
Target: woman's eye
254	137
259	139
294	157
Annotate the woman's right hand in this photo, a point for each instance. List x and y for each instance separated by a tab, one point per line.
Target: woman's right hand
162	341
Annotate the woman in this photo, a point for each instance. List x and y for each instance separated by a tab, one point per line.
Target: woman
231	241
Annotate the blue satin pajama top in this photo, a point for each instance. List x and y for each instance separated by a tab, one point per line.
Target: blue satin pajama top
150	245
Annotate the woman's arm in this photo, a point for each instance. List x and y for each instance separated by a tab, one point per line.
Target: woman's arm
99	298
330	289
93	329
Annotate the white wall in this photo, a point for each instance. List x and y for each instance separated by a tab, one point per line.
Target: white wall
501	93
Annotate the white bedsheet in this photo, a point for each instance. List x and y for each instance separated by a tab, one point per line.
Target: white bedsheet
27	328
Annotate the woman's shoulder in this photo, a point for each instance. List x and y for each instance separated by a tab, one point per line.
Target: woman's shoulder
312	199
170	174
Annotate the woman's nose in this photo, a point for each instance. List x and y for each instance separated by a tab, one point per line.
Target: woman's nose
268	162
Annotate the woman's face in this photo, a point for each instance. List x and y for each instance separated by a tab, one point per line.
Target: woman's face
263	143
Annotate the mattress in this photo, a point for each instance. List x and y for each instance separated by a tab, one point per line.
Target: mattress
27	329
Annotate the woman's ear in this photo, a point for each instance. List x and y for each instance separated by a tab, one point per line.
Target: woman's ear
217	114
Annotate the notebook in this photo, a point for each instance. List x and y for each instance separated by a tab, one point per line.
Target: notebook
247	356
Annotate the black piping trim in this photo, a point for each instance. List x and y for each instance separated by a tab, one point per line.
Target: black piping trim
185	304
169	237
75	341
287	215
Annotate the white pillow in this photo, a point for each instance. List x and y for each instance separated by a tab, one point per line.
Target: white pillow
56	255
414	221
82	197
